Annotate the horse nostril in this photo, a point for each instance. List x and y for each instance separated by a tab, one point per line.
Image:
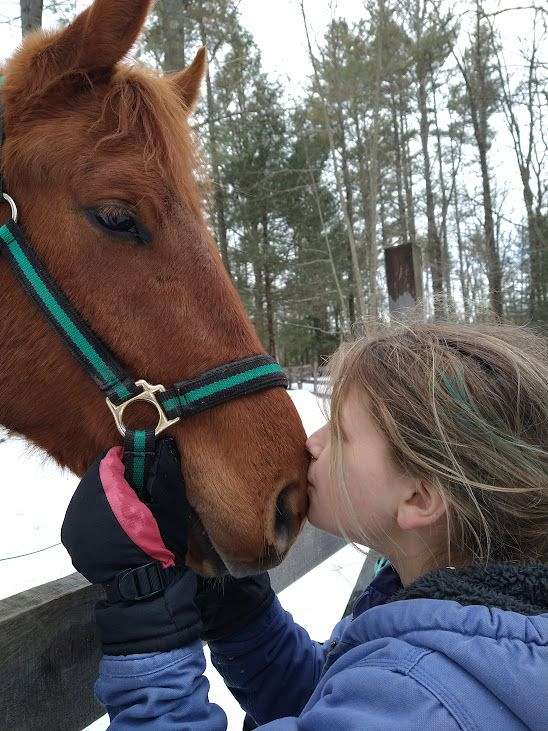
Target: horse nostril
286	518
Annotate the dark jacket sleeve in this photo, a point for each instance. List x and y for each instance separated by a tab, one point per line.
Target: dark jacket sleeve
167	691
272	666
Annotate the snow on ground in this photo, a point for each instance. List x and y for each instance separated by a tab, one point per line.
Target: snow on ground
35	496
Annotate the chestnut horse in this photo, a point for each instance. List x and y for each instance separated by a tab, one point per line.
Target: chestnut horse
98	156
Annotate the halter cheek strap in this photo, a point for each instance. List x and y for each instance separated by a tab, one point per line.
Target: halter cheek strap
183	399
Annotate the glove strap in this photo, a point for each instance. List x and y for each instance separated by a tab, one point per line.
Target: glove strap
143	582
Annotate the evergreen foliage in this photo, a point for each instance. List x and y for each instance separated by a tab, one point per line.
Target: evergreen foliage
392	143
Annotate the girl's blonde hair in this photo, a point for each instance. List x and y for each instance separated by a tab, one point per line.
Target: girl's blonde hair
466	409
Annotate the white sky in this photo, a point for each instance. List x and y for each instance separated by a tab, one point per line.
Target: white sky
277	28
275	24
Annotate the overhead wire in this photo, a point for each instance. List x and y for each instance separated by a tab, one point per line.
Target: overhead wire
30	553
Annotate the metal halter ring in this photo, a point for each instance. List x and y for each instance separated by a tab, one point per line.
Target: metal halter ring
148	394
12	206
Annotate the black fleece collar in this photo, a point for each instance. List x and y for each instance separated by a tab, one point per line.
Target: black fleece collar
521	588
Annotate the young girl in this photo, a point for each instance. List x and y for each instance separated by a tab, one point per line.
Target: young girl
436	455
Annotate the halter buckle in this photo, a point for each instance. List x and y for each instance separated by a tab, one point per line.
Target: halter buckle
148	394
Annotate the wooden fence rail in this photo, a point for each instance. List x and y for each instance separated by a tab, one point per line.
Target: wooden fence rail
49	647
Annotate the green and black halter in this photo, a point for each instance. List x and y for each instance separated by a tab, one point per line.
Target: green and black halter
183	399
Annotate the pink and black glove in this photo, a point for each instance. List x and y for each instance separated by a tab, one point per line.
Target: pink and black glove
137	551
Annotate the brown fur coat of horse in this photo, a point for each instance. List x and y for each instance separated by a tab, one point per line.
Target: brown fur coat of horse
91	139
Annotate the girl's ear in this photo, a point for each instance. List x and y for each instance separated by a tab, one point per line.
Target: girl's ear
424	507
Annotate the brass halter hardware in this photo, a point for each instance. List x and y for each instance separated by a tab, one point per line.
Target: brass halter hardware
149	395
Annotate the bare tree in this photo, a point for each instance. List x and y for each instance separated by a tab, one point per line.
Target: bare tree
356	273
374	165
531	154
31	15
474	70
426	33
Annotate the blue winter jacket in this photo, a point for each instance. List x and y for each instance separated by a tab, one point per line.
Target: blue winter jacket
412	664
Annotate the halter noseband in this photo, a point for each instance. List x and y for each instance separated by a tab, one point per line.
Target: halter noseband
183	399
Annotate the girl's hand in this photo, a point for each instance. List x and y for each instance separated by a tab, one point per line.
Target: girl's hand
137	552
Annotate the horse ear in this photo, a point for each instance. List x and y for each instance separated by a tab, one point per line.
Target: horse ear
98	38
187	82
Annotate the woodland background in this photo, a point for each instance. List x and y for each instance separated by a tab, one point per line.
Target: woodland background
390	144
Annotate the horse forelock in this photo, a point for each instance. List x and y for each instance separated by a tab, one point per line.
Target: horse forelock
144	109
130	109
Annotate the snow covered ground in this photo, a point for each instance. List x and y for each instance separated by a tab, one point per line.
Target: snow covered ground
36	494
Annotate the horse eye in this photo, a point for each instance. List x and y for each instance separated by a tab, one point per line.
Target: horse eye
118	222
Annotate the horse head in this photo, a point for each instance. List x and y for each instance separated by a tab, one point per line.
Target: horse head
100	159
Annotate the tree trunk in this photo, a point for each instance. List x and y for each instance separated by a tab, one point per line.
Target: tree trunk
408	178
445	200
270	329
218	196
480	128
402	217
374	170
363	174
460	244
343	316
478	112
357	285
410	203
31	15
385	240
345	168
434	241
349	198
538	298
494	269
171	16
258	288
